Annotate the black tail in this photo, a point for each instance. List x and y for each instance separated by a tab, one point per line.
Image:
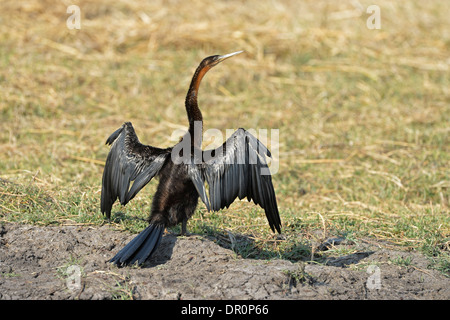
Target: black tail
141	247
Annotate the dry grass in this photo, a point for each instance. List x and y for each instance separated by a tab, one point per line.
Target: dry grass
363	114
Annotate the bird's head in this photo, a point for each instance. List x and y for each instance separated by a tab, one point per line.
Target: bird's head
204	66
212	61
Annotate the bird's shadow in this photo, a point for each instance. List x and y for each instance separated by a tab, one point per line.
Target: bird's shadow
242	245
247	247
163	253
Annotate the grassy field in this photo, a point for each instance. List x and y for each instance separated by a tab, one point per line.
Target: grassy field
363	115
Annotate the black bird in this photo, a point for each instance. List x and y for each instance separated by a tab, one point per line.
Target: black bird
232	170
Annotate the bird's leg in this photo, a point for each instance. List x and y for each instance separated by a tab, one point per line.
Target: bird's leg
184	227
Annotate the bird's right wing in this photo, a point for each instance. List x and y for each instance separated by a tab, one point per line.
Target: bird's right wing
127	161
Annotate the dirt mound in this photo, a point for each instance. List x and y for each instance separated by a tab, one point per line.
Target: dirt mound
70	262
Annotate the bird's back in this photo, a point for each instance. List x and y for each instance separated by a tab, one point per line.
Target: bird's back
175	196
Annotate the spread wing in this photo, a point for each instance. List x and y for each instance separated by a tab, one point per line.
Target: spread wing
236	169
127	161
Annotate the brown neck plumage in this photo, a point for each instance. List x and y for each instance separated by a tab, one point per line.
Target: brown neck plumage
193	112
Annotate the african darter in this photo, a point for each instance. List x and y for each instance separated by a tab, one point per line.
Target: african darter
232	170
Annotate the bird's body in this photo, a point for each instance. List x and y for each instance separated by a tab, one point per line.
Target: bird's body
234	170
175	199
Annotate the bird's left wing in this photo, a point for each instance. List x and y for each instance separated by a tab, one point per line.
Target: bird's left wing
127	161
235	170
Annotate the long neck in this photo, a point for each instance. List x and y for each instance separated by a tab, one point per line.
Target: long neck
193	112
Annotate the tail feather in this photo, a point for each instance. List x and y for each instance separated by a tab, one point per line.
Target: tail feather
141	247
147	249
126	252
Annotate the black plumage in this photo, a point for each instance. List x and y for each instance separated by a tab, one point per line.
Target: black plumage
237	169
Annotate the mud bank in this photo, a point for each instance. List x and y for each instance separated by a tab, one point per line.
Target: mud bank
70	262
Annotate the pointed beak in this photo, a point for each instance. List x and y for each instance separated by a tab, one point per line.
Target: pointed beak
226	56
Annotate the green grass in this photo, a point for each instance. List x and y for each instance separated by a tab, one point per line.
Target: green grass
363	114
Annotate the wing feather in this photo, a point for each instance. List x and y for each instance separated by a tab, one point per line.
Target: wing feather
128	161
235	172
